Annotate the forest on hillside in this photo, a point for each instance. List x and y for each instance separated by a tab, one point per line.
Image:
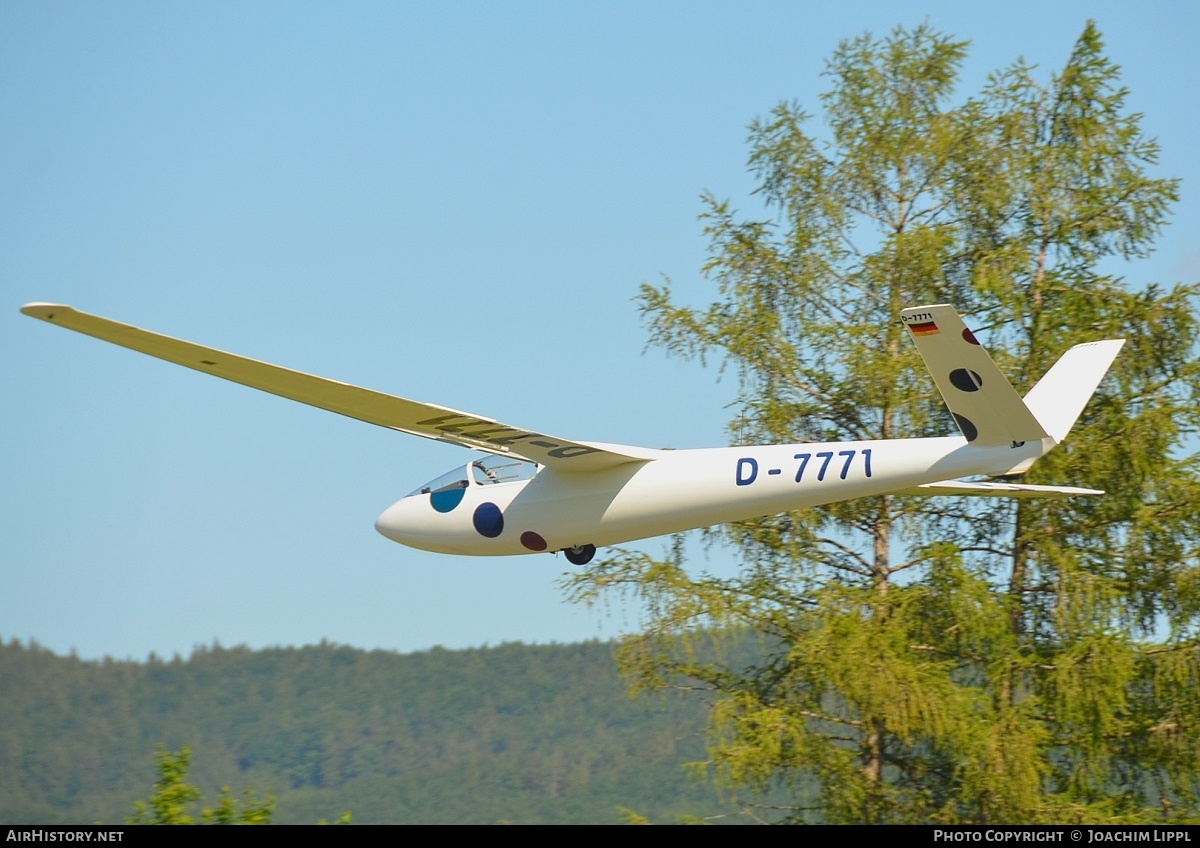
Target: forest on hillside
514	733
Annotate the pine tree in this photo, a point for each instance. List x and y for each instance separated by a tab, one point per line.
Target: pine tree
932	659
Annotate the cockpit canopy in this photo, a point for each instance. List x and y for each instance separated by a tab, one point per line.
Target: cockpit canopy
482	472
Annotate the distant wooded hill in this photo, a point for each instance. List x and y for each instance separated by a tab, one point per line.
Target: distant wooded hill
520	733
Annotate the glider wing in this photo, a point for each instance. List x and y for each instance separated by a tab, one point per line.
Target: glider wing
396	413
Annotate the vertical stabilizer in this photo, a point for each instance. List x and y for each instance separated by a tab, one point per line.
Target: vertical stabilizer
986	407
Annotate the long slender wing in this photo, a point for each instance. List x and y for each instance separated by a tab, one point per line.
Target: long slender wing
409	416
997	490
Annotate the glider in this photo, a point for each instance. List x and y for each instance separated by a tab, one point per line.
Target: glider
540	493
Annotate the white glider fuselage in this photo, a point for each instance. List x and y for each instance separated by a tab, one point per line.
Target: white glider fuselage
588	494
681	490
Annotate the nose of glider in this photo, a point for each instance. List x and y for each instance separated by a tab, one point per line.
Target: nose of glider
399	523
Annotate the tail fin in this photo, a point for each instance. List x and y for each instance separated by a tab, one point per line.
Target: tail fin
986	407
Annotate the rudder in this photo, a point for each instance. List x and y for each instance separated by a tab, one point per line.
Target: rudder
984	404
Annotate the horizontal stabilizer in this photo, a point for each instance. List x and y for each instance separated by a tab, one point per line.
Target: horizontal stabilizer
1060	396
997	490
396	413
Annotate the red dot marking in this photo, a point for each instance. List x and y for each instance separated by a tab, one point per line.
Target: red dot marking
970	337
533	541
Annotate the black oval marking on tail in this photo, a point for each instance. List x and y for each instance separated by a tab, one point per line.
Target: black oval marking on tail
968	429
965	381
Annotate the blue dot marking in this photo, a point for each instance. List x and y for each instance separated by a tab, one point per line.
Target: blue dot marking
488	520
445	500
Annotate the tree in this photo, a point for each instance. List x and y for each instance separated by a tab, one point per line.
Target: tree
940	660
174	798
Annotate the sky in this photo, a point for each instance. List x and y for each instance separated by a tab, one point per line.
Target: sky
451	202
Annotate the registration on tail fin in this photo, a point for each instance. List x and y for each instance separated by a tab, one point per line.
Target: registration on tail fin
987	408
984	404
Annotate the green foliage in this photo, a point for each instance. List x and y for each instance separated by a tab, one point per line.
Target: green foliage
173	798
246	809
629	816
344	818
527	733
938	660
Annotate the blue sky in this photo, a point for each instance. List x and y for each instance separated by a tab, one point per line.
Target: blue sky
450	202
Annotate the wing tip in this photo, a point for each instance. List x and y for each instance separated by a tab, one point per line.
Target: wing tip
45	311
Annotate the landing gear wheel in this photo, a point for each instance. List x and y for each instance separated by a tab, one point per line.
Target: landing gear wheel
580	555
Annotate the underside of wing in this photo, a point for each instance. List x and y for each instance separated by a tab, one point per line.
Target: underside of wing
421	419
997	490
